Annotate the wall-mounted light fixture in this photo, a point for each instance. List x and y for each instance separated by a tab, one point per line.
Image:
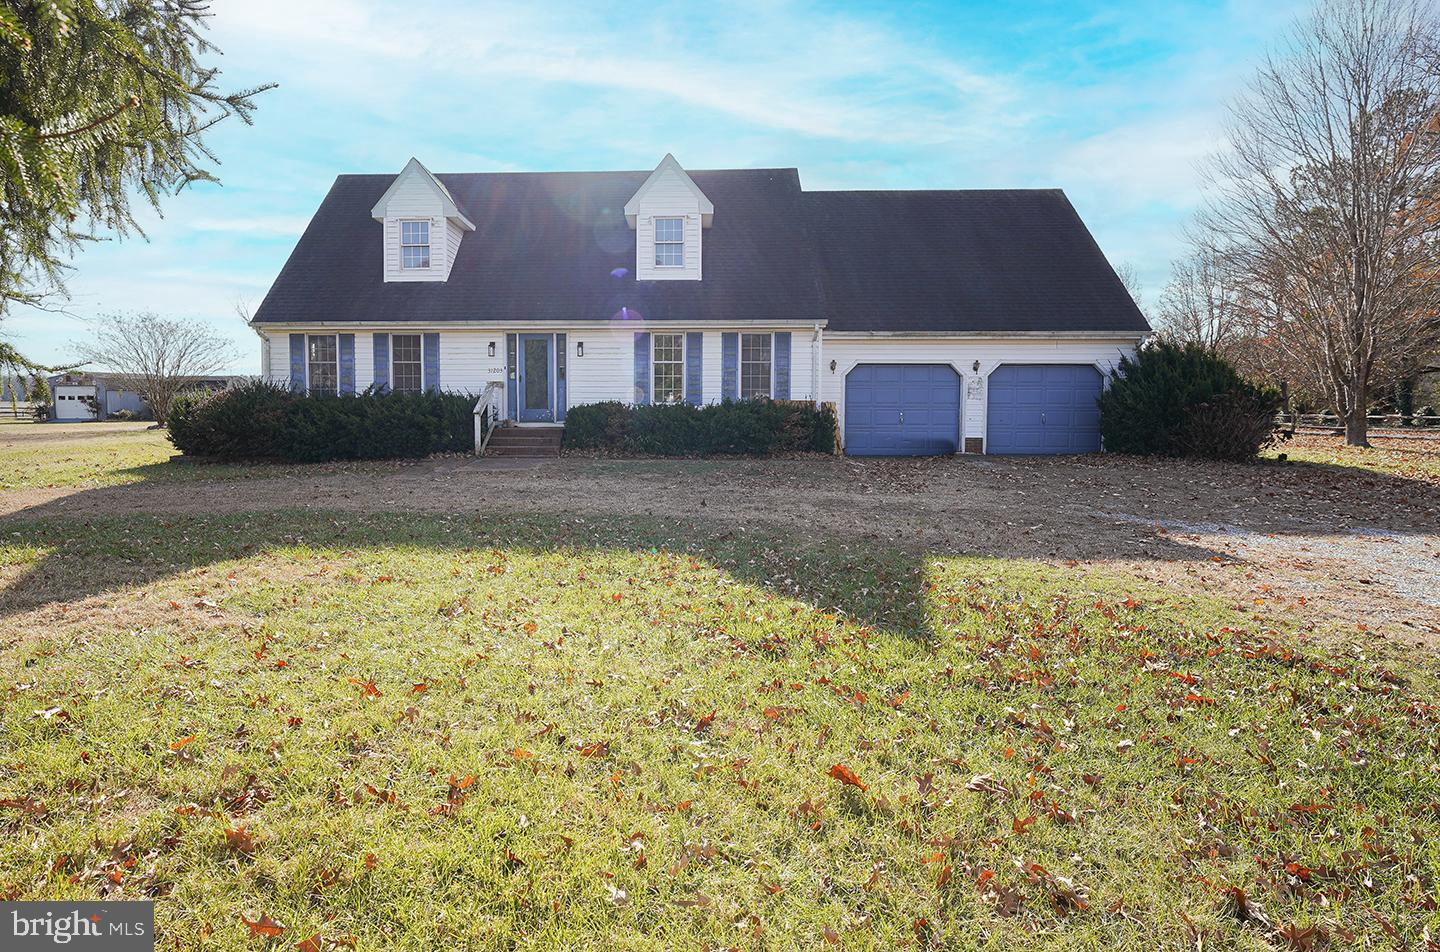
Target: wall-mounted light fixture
492	348
832	366
975	366
579	348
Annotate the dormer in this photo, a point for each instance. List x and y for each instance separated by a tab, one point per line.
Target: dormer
422	226
669	214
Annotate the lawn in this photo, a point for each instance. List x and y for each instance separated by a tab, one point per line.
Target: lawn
416	732
1409	458
115	454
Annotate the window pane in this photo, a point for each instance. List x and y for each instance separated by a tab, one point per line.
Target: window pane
323	372
415	256
405	363
414	232
669	242
754	366
537	374
668	362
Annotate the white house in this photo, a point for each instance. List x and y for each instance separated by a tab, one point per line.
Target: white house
935	321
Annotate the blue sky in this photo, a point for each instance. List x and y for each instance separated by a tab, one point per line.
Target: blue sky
1113	102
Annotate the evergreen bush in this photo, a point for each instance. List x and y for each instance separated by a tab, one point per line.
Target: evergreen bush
265	421
749	428
1184	400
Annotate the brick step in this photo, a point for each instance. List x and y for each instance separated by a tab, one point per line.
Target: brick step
525	441
522	451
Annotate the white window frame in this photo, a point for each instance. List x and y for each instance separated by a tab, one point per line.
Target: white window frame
654	389
740	368
426	244
421	339
309	376
669	244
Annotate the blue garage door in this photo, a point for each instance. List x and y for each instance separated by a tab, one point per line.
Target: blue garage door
902	410
1043	408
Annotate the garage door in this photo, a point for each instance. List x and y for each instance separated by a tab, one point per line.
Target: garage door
902	410
1043	408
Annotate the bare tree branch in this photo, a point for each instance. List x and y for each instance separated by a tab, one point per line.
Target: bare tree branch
162	355
1325	207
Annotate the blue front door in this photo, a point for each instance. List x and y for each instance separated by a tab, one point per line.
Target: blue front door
536	404
1038	409
902	410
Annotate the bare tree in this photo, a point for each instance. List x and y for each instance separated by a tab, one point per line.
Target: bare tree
1326	198
1204	303
1125	271
162	355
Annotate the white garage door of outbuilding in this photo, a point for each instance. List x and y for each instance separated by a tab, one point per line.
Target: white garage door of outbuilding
74	403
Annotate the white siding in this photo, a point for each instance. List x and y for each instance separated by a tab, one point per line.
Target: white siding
961	355
667	197
415	197
606	372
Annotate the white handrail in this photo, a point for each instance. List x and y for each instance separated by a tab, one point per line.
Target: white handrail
487	415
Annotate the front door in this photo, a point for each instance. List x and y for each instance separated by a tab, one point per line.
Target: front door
534	382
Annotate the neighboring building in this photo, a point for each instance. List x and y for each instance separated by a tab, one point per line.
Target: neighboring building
935	321
80	397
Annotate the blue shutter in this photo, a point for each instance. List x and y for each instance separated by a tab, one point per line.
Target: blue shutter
782	366
559	378
381	348
430	361
511	397
297	363
730	366
642	368
694	367
346	349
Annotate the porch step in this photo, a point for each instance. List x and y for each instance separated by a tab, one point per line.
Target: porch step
525	441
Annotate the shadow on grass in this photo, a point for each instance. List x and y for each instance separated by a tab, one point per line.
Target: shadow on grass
883	587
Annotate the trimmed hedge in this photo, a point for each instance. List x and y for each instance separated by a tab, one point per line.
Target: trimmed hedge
265	421
748	428
1184	400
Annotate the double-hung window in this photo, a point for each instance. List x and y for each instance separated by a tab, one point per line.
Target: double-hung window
406	375
668	363
669	242
755	351
414	244
323	364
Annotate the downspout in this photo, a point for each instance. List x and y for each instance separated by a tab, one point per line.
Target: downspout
817	348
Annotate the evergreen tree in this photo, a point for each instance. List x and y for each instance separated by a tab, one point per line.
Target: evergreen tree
101	101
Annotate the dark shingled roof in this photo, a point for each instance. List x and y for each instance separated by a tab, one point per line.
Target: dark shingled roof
555	247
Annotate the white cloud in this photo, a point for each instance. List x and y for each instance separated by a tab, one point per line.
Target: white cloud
255	226
792	68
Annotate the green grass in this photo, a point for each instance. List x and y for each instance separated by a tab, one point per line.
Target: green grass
1169	748
1404	458
108	454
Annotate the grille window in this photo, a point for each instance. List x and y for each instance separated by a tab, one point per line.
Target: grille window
406	374
754	366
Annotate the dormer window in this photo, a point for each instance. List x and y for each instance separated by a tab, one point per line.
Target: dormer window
669	242
414	244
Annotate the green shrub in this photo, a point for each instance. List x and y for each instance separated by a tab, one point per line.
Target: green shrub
596	425
265	421
751	428
1183	400
243	423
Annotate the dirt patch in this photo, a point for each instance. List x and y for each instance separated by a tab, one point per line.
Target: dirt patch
1359	547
